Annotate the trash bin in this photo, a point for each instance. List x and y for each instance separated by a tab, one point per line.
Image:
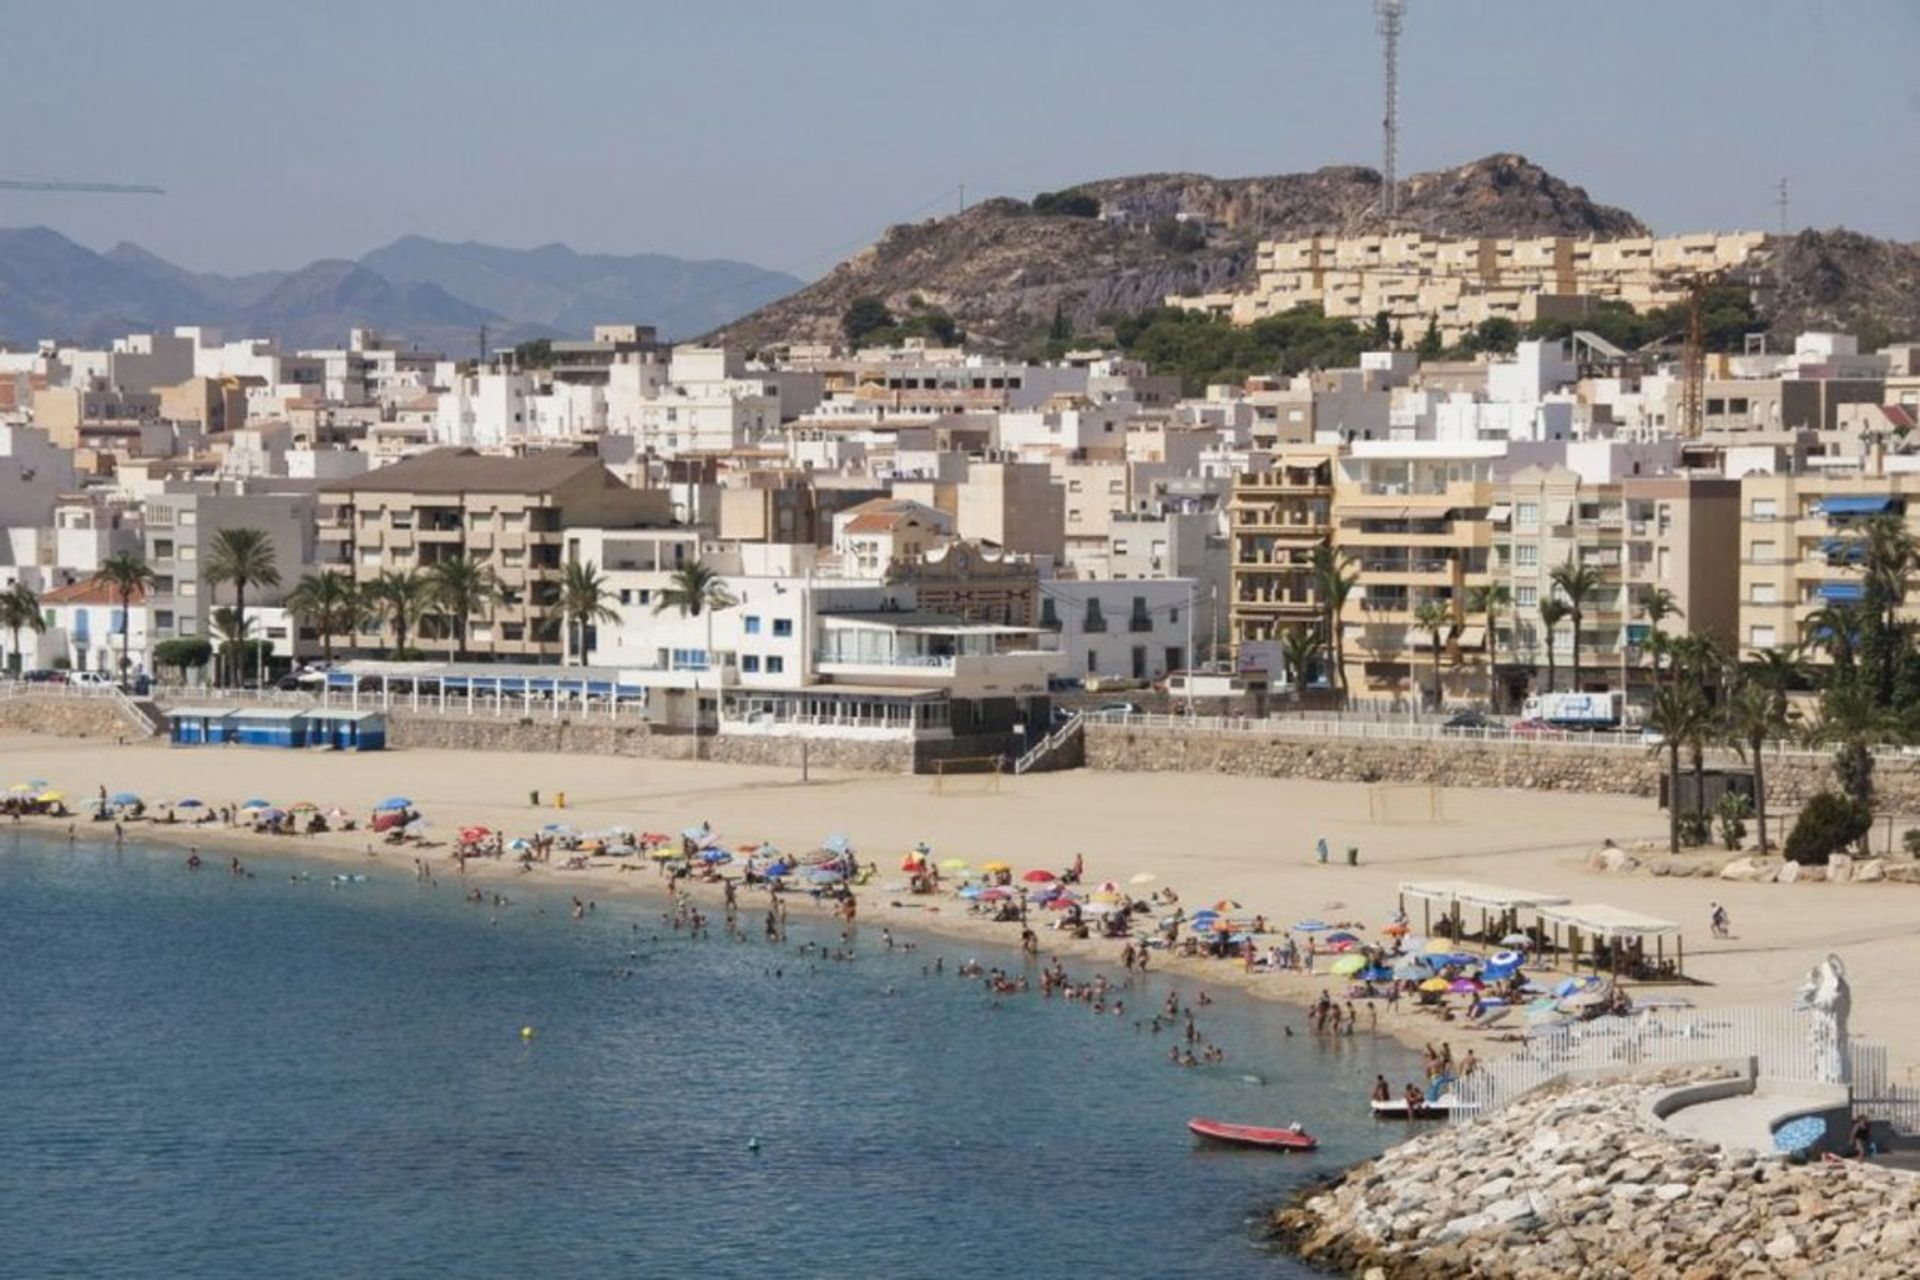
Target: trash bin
560	800
1353	855
533	798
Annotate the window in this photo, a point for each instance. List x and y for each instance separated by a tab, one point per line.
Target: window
782	627
1760	637
162	548
1763	552
753	624
1526	597
1764	508
1073	486
776	664
1095	620
1527	555
1114	486
750	663
163	619
1526	515
1119	546
188	552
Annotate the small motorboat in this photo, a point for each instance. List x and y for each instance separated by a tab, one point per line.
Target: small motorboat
1430	1109
1292	1138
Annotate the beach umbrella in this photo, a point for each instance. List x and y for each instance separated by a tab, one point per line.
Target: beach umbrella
417	826
518	845
1464	984
1037	876
50	797
391	803
1342	936
1395	930
1226	904
1435	984
972	891
257	804
1311	926
996	866
23	788
663	855
838	842
1060	904
1505	959
1203	915
1223	925
1438	947
1341	946
269	815
1516	940
1144	877
778	869
190	804
1573	986
913	862
953	864
1461	958
995	895
303	806
1107	899
123	797
475	833
1408	969
714	857
1346	965
1376	973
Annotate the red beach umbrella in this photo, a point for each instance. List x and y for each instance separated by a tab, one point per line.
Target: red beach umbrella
1037	876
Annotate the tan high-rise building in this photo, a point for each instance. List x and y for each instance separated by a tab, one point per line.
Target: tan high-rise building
1277	518
509	513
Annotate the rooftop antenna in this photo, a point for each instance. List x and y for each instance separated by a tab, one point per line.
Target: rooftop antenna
1780	199
1389	13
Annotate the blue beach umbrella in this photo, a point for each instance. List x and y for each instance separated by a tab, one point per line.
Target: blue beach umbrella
123	797
258	804
1572	986
191	804
1311	926
393	802
1505	959
778	869
972	891
838	842
716	856
1800	1134
1409	970
1375	974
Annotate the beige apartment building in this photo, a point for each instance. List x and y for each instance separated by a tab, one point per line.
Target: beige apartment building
509	512
1800	547
1276	518
1455	284
1013	505
1412	517
1677	532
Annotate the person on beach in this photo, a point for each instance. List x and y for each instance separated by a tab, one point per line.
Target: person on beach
1414	1099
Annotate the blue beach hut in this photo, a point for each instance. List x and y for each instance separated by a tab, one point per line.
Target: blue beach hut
199	726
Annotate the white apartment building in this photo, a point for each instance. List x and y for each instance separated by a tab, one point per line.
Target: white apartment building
1129	631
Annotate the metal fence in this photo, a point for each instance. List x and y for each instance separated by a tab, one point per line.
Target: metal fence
1777	1039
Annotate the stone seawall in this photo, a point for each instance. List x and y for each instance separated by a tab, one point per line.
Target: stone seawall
1449	763
67	716
1581	1181
605	738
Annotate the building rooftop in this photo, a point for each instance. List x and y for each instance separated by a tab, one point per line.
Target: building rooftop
89	592
468	471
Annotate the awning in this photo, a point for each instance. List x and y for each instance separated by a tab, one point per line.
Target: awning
1848	549
199	713
1559	511
1868	505
1499	513
1603	921
1840	592
1475	893
1471	637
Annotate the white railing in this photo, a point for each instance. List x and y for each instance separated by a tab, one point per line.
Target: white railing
507	706
1777	1039
1075	724
1409	730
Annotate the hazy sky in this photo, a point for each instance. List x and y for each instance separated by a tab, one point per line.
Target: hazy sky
788	132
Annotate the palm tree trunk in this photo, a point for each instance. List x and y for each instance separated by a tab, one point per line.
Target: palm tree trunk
239	663
126	626
1760	789
1576	652
1553	670
1673	797
13	654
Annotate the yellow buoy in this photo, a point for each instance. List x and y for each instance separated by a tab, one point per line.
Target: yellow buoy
526	1033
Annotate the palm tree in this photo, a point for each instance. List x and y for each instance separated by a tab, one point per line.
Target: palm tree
1756	711
1675	716
1490	600
331	602
1299	649
583	601
124	573
1577	582
20	611
1553	611
1658	604
696	590
462	586
1334	579
1430	616
234	630
1852	722
1835	629
245	558
402	595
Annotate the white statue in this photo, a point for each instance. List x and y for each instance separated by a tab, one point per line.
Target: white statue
1826	996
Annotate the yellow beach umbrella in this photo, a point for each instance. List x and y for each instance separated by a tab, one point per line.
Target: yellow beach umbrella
953	864
996	867
1439	947
1435	984
21	788
1347	965
50	797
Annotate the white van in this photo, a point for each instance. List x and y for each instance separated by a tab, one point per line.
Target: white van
90	680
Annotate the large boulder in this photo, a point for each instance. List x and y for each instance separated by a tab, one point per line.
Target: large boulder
1839	869
1751	868
1869	869
1801	873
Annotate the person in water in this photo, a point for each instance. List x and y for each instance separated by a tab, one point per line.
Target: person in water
1382	1091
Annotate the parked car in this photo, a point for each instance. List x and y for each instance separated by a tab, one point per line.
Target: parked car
91	680
45	675
1535	729
1652	738
1121	708
1466	723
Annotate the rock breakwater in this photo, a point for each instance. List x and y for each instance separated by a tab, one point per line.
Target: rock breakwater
1581	1181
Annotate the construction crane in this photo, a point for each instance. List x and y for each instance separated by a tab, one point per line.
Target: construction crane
88	188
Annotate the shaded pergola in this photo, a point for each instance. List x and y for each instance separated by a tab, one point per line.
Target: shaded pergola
1606	927
1492	901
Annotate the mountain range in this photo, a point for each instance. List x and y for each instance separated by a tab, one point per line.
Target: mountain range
430	292
1011	271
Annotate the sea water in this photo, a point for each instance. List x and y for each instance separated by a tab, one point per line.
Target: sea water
217	1077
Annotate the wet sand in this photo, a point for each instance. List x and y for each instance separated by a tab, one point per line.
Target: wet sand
1208	837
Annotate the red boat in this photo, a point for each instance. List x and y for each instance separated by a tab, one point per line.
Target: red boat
1247	1135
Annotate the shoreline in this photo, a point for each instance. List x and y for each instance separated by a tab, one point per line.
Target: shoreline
635	878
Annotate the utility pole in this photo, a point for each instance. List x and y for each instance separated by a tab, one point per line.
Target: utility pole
1780	199
1390	13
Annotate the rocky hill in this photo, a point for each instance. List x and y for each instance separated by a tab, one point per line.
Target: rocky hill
1844	280
1001	269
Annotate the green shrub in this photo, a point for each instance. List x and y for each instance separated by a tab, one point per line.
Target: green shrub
1911	842
1828	825
1695	829
1732	811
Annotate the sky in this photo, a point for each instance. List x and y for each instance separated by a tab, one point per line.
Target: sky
790	132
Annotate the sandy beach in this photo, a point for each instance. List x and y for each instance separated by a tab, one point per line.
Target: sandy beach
1208	837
